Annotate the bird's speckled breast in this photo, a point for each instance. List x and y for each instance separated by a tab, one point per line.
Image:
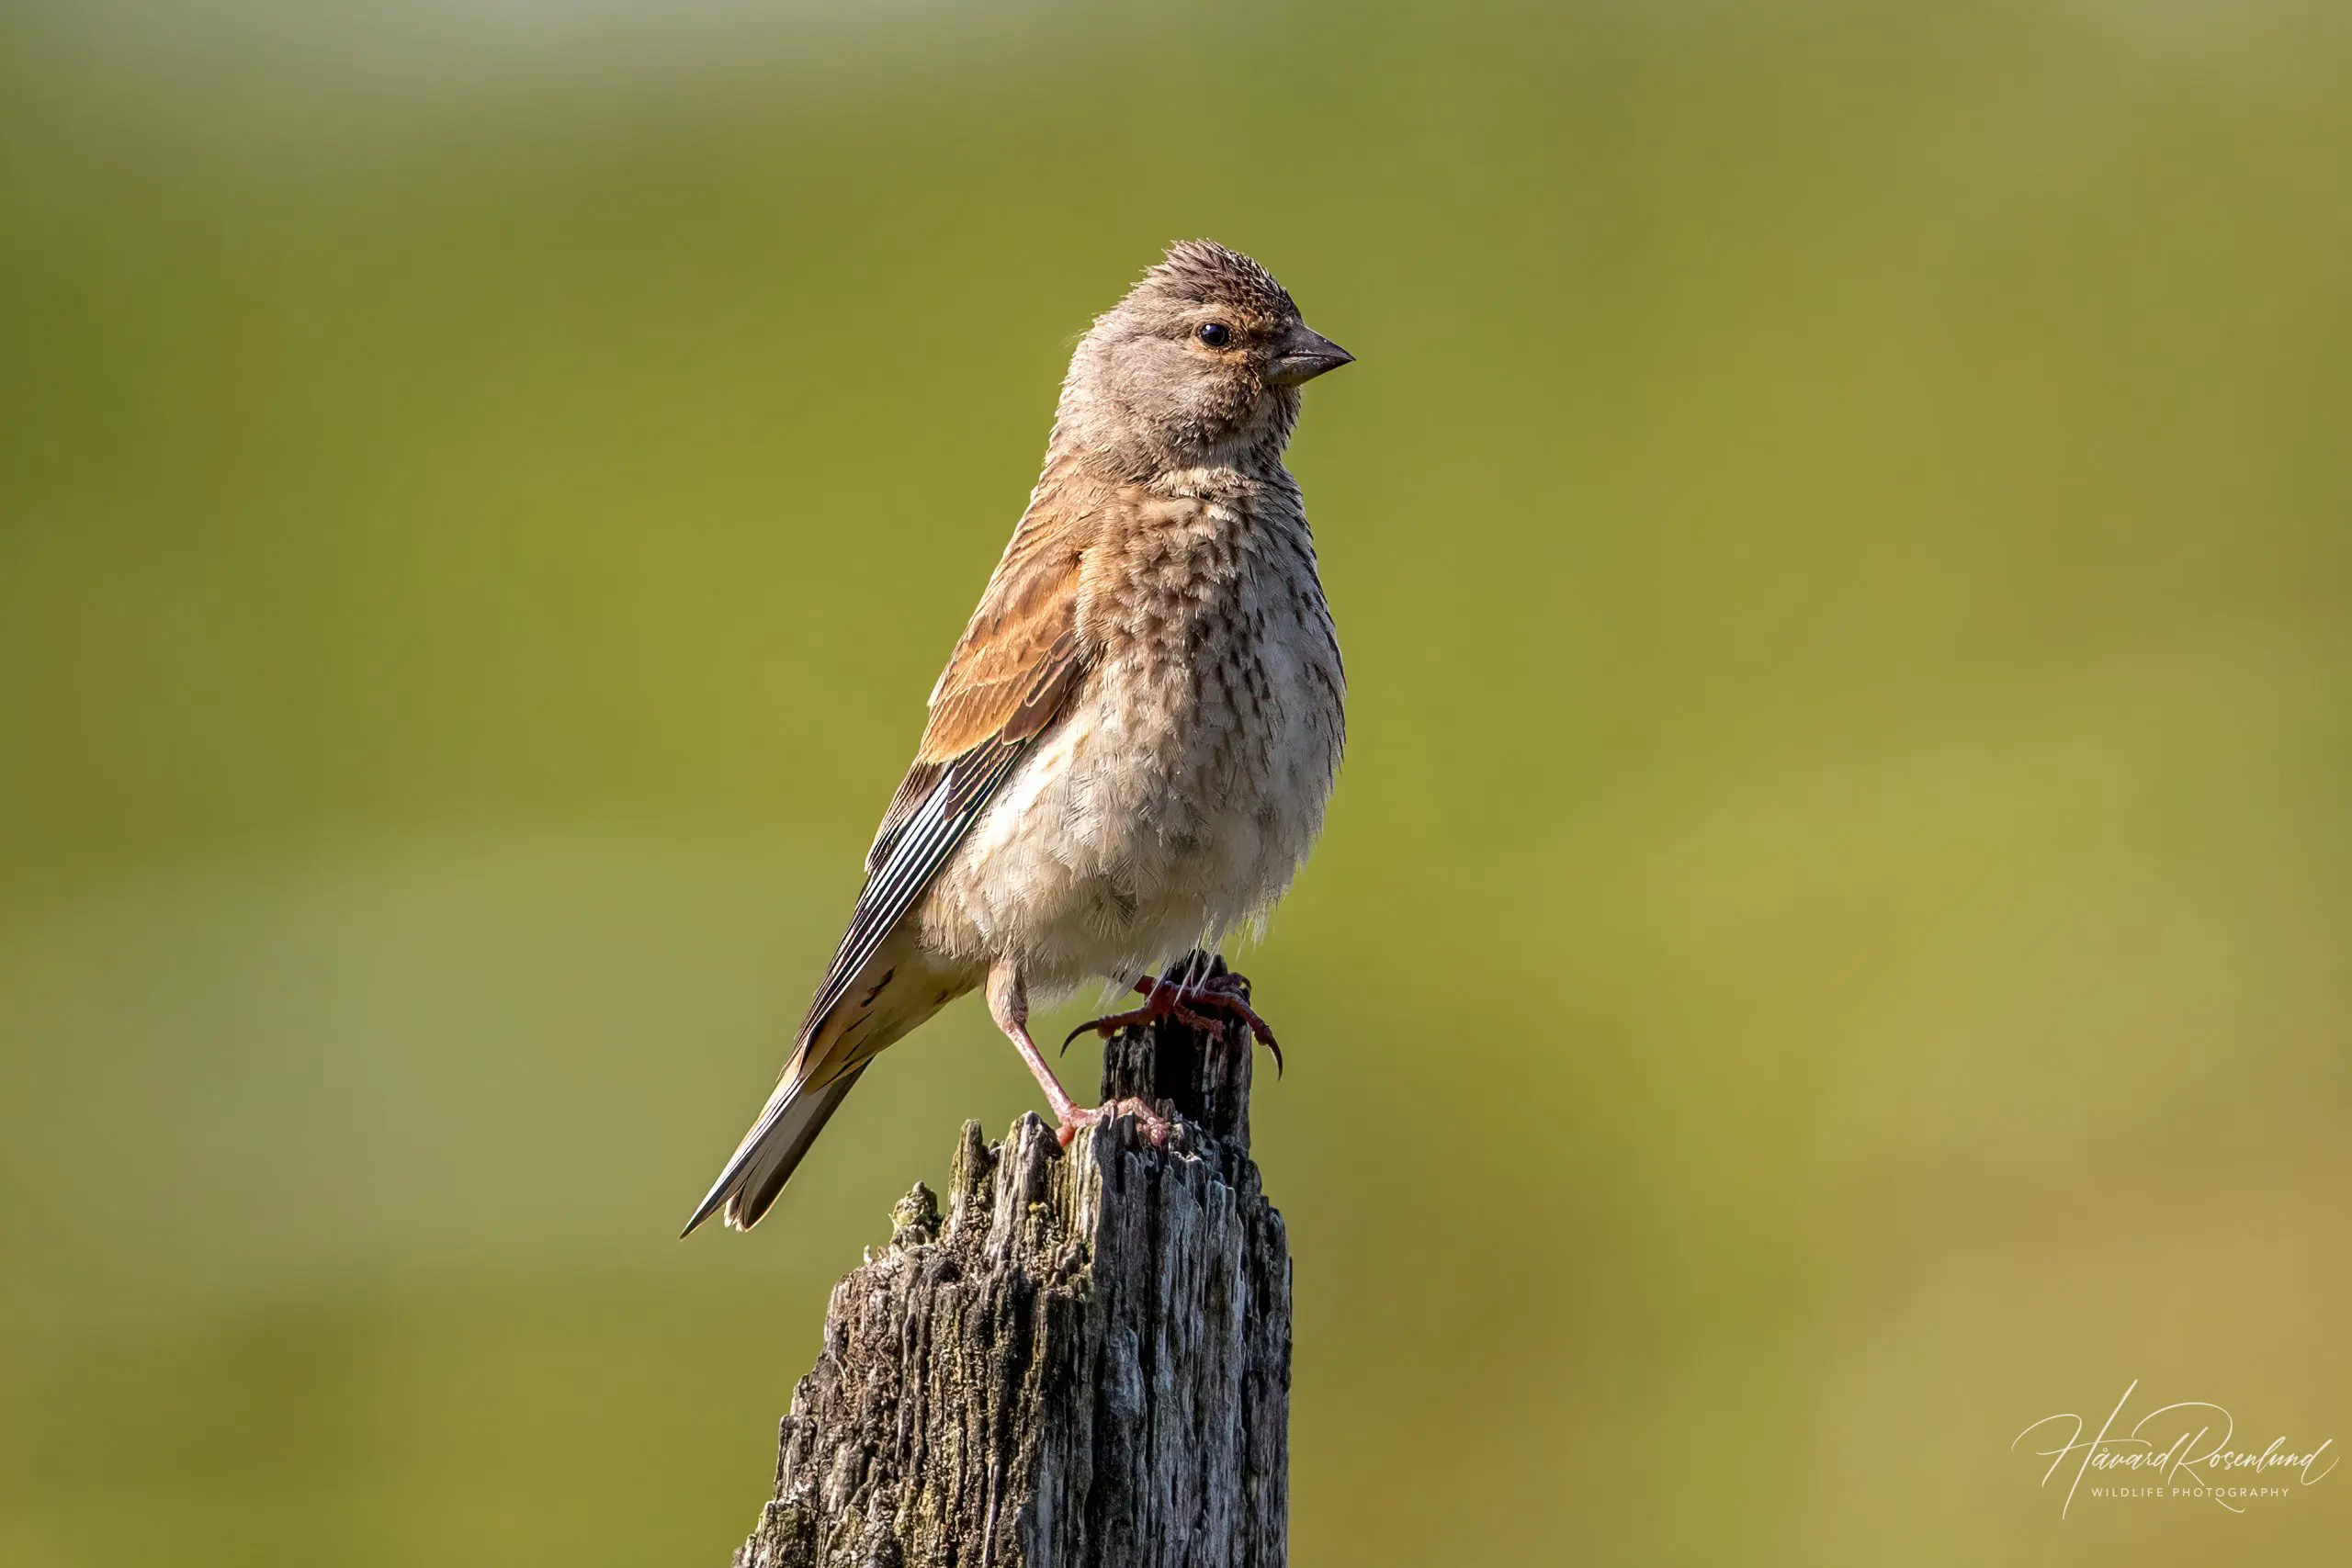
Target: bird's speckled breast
1186	782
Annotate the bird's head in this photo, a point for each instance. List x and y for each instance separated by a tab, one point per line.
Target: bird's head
1201	363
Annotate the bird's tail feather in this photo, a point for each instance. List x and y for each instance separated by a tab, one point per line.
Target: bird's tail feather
894	993
766	1157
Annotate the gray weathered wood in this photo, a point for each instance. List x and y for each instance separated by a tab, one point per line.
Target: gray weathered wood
1086	1362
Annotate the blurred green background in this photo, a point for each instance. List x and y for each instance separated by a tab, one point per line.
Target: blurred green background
1831	942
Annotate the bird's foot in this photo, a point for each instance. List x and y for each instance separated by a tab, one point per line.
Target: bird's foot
1228	995
1155	1127
1213	1004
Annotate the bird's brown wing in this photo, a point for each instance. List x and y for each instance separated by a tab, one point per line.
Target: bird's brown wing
1011	673
1007	681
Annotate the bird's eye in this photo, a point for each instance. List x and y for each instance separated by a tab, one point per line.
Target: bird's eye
1216	334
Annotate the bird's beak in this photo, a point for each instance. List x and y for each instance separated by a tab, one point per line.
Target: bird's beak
1305	354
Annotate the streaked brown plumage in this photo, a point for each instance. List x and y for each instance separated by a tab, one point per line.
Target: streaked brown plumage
1131	746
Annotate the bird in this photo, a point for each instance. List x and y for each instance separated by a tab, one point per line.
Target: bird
1130	751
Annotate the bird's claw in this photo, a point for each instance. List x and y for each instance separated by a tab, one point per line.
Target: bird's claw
1229	994
1191	1006
1154	1127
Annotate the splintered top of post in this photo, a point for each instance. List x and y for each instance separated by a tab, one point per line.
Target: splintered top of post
1085	1359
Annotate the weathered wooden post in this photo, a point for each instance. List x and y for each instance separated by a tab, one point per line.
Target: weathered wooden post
1085	1365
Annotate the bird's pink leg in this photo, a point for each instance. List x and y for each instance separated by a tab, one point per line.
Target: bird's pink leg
1191	1005
1009	1005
